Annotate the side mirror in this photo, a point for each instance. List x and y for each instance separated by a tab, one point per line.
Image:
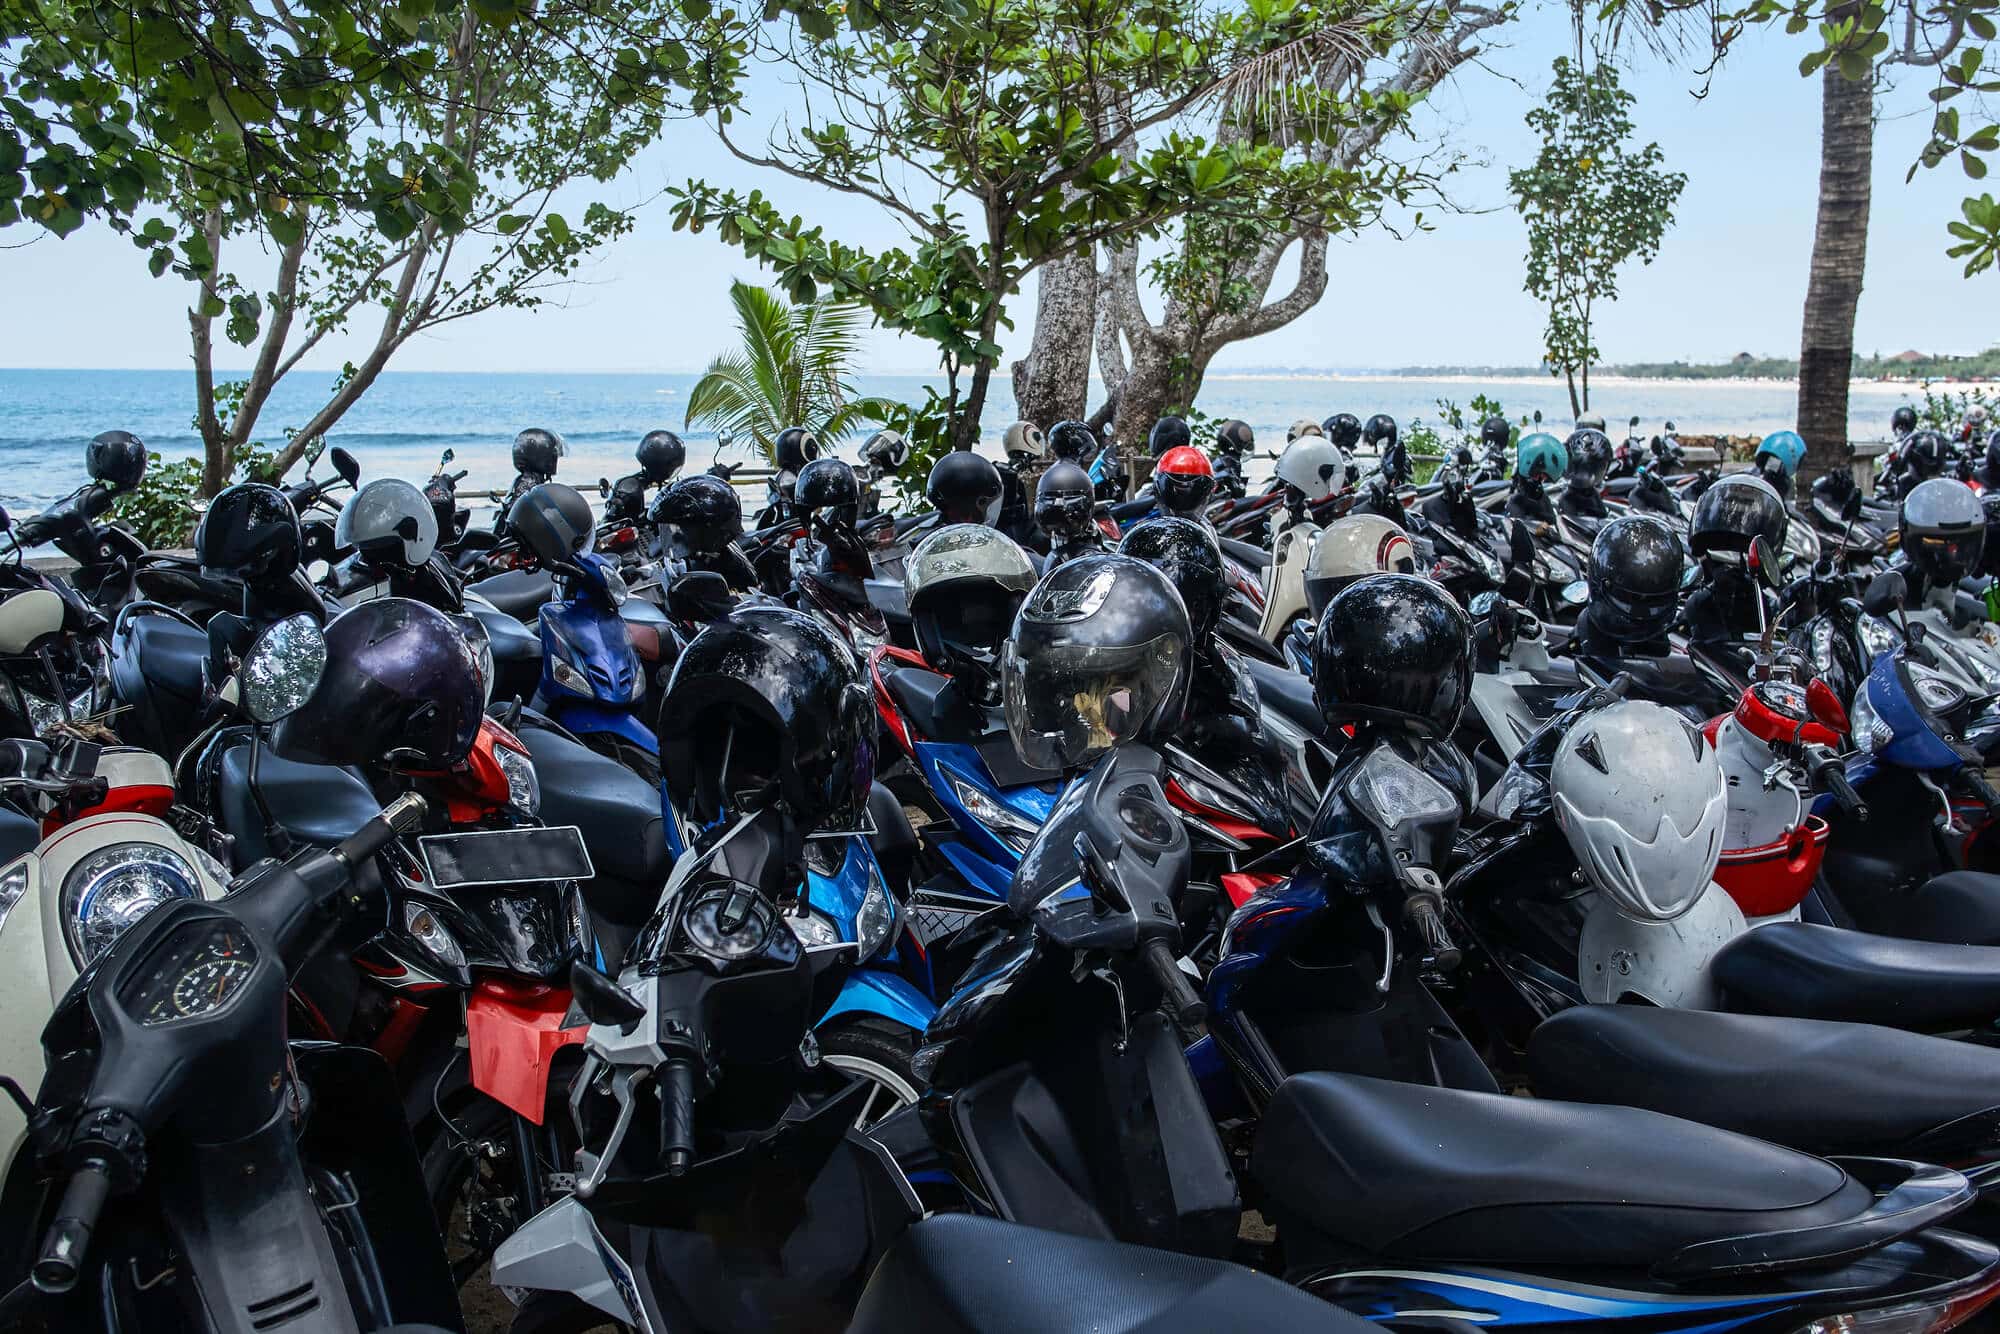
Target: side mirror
699	596
604	487
449	455
1885	594
1764	562
602	1000
345	464
6	519
1634	423
282	668
1850	509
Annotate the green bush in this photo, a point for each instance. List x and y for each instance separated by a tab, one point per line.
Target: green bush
160	510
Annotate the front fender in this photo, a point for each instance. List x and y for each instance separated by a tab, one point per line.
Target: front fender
885	995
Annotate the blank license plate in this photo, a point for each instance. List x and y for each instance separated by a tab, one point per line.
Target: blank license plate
506	856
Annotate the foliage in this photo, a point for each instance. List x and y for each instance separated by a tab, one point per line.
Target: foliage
1591	203
791	371
1466	421
928	428
1945	410
160	510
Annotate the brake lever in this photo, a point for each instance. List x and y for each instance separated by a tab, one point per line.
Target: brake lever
624	1085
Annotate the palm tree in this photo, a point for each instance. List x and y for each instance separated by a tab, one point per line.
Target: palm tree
791	371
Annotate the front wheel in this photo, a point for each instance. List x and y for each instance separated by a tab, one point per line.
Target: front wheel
877	1052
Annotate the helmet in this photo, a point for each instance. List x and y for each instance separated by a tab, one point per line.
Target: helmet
1099	656
1026	438
1313	465
1540	457
767	703
795	448
705	508
1993	453
115	458
1235	437
1188	554
1925	453
1065	501
1732	513
1944	530
661	455
1380	431
1184	481
1903	420
1591	421
1589	451
964	583
1344	429
1168	433
1635	577
1787	447
964	487
389	519
1303	427
1494	433
251	532
1393	648
1640	796
536	451
1072	440
1351	548
553	521
886	450
402	683
827	487
1661	963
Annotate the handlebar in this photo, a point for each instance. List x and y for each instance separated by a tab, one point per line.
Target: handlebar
1187	1008
68	1238
1420	910
399	817
1975	783
677	1115
1827	772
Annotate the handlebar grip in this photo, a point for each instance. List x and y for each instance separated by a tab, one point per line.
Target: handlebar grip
1421	912
1843	792
1975	783
677	1115
398	817
68	1239
1187	1008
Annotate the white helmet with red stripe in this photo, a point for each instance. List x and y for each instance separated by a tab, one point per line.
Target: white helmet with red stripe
1352	547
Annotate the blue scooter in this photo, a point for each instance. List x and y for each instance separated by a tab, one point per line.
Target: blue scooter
593	680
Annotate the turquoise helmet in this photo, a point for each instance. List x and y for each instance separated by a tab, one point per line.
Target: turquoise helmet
1541	452
1787	447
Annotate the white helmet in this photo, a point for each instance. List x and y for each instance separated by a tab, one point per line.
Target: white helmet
886	450
1303	426
389	519
1640	797
1313	464
1026	438
1351	547
1663	963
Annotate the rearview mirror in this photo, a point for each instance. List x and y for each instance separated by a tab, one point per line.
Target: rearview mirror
449	455
6	519
1764	561
1634	423
1885	594
604	487
282	668
345	464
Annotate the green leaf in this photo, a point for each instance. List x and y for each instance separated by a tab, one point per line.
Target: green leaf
509	223
1975	167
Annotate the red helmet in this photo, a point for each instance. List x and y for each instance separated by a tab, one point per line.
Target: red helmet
1183	481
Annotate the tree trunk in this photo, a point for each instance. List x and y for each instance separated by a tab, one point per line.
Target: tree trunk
1839	256
1052	383
1144	397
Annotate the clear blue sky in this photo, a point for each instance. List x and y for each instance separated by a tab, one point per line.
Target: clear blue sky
1730	277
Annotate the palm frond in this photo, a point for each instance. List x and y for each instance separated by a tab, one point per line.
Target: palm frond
790	371
1262	85
842	422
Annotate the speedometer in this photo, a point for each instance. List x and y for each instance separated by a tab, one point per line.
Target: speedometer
195	971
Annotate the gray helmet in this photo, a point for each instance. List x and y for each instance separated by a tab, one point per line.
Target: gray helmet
1944	529
964	583
389	520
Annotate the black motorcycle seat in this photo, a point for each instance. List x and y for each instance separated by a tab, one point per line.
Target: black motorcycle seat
1806	1083
1825	972
1252	557
317	804
1413	1172
926	698
170	655
959	1274
519	593
1956	908
18	834
619	815
511	640
1290	694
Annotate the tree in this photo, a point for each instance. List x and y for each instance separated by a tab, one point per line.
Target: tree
791	371
1839	256
1591	203
1020	139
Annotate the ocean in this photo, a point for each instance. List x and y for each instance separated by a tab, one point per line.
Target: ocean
408	418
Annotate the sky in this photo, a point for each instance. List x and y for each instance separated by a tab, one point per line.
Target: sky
1730	277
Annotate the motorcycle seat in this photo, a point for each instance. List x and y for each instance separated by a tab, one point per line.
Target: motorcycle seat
1412	1172
169	654
1806	1083
1956	908
959	1274
317	804
1252	557
519	593
1290	694
1825	972
619	815
18	834
925	697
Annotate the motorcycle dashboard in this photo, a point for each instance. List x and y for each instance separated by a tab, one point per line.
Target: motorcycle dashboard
197	970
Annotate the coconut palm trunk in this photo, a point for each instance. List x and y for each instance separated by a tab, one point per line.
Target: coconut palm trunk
1839	256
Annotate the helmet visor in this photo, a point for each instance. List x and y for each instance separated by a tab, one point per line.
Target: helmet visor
1946	555
1066	704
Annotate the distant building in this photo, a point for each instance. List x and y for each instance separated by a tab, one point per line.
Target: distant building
1741	359
1909	358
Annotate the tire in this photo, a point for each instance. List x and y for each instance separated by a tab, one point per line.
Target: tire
878	1051
471	1149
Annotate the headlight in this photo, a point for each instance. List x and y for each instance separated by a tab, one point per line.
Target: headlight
524	790
1877	636
877	916
814	929
1007	825
614	586
12	886
114	887
1822	648
1389	789
569	678
429	932
44	714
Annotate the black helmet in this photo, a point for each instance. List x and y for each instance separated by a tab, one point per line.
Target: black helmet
1065	502
1380	431
1072	440
1187	553
706	510
1903	420
1393	648
1099	656
1944	530
1635	577
1344	429
1989	555
1590	453
1495	432
661	455
553	521
1732	513
963	584
795	448
1168	433
251	532
1235	437
1993	454
536	451
886	451
828	487
964	487
767	704
115	458
402	684
1926	452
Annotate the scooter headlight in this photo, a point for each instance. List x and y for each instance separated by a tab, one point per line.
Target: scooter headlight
524	790
814	929
1007	825
1877	636
114	887
876	919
